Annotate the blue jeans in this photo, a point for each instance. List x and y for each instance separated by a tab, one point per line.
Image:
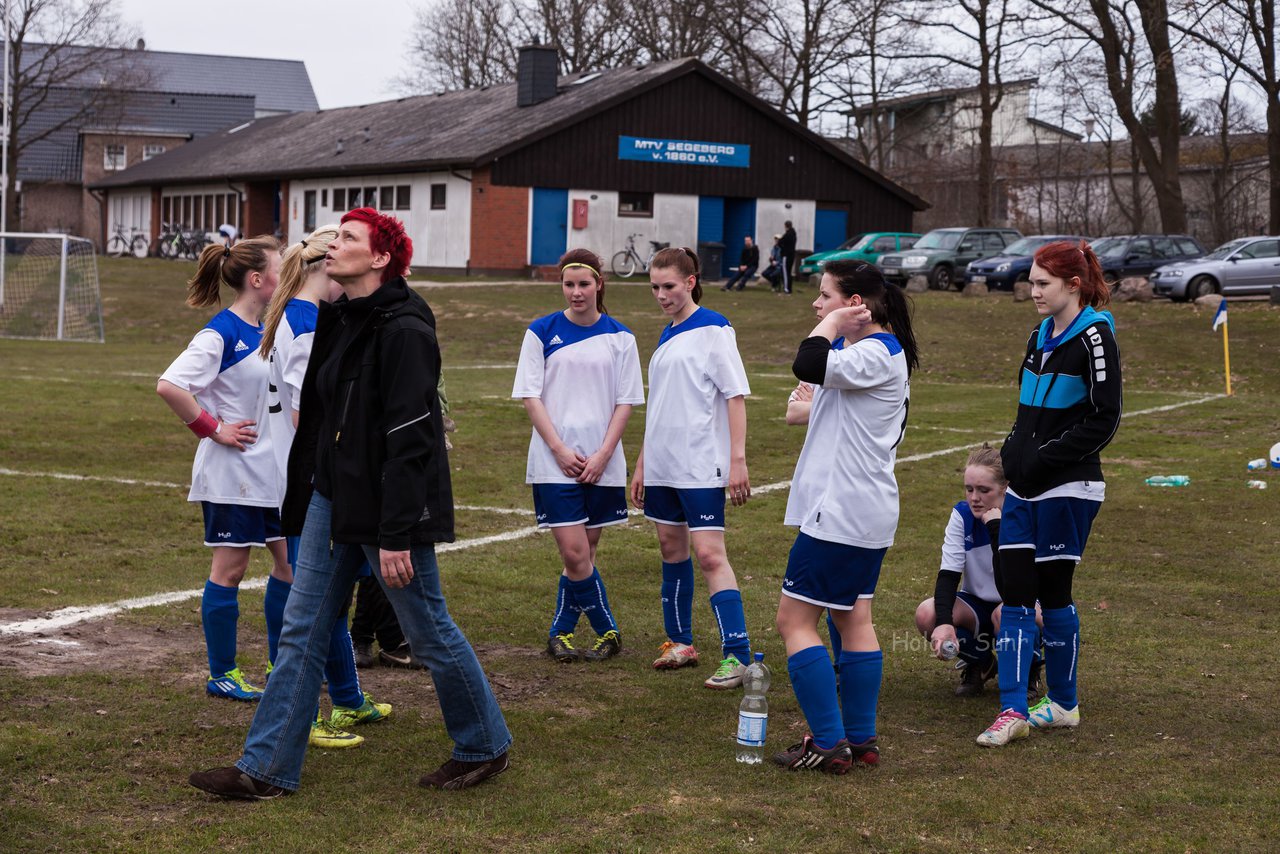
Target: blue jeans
277	739
740	278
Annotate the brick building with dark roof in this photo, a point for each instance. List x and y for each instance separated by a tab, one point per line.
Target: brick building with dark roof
506	177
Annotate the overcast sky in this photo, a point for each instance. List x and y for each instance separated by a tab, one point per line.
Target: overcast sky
352	49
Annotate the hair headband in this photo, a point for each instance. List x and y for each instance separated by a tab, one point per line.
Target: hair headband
593	270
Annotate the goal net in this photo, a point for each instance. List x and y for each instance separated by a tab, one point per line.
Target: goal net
49	288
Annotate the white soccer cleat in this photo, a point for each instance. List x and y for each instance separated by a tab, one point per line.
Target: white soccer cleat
1047	714
1009	726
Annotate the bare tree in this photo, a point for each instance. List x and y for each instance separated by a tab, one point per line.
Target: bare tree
1254	55
57	47
591	34
460	44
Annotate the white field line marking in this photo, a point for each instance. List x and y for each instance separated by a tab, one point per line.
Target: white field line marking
70	616
57	475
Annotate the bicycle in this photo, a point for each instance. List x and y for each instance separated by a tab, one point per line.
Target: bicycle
625	262
180	242
122	242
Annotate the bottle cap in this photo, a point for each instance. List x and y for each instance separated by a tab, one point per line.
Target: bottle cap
759	656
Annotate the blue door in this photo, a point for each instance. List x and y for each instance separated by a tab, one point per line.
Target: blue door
830	228
739	221
550	225
710	219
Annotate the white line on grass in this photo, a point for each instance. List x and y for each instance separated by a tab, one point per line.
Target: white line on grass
70	616
57	475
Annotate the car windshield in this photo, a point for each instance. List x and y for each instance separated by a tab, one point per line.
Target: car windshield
1027	245
939	240
858	242
1109	245
1227	248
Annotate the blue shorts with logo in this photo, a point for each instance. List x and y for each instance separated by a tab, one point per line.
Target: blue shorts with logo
560	504
831	575
239	526
982	609
701	509
1057	528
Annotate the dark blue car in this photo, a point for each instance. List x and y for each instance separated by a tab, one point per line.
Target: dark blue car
999	272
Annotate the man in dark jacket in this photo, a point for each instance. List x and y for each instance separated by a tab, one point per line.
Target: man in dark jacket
748	263
371	440
788	247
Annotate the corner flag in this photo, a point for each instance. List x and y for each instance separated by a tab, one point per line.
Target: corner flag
1220	319
1220	316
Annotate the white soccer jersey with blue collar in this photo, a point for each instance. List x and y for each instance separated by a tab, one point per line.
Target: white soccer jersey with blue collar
581	374
290	353
966	548
844	489
693	372
221	367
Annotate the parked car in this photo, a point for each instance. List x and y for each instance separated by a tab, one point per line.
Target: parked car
943	254
864	247
999	272
1247	265
1139	254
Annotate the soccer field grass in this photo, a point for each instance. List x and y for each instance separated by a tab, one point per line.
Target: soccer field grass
104	718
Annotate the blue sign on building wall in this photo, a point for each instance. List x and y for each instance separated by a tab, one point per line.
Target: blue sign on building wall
684	151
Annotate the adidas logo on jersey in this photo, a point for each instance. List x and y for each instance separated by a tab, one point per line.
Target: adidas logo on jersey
240	345
555	339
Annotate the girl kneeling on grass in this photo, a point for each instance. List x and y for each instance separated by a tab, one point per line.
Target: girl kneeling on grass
579	376
695	444
289	332
218	387
1069	407
844	500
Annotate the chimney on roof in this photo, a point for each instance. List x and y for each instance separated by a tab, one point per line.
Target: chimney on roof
536	74
140	45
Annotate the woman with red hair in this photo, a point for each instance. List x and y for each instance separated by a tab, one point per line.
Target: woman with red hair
1069	406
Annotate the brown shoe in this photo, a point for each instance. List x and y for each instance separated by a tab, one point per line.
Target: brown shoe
454	774
234	783
974	680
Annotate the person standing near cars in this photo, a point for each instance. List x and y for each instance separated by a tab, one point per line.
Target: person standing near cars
787	245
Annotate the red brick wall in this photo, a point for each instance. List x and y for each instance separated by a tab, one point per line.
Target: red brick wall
499	225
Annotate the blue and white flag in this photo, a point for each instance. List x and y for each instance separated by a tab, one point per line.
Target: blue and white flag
1220	316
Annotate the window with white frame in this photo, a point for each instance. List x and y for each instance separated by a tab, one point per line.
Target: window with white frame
113	157
151	149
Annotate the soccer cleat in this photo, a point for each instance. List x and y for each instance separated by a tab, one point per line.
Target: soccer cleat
561	648
1047	714
234	783
672	655
1033	682
973	680
271	665
369	711
807	754
455	774
326	735
606	646
867	753
364	655
233	686
1009	726
728	675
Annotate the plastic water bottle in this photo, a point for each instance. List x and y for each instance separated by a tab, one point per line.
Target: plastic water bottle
1169	480
1257	465
1257	484
1274	455
950	649
753	712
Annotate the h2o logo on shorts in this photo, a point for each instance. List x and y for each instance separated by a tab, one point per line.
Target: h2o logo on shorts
707	517
1057	547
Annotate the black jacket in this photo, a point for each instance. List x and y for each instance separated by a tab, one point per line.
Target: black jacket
788	243
750	257
1068	406
370	433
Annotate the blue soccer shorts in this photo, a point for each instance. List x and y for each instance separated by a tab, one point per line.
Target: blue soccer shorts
239	526
1057	528
831	575
558	505
701	509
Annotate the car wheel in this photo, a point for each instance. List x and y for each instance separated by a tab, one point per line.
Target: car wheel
940	278
1201	286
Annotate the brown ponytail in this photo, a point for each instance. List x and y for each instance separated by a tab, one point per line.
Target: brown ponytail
685	261
220	265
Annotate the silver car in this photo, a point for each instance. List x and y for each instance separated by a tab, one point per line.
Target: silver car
1247	265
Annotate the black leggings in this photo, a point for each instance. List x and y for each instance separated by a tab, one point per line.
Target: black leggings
1021	581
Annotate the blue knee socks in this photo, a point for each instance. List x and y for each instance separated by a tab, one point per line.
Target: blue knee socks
814	682
340	667
727	607
219	613
1061	653
677	600
860	676
566	614
1013	651
273	609
591	599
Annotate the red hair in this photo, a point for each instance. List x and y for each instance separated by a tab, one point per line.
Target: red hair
1066	260
386	234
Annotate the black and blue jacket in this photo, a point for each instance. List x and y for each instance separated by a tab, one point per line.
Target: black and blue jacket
1069	405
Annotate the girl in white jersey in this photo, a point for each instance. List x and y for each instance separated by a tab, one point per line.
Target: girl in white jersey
289	330
695	437
218	387
844	500
579	376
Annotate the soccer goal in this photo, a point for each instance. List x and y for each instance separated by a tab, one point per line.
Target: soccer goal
49	288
